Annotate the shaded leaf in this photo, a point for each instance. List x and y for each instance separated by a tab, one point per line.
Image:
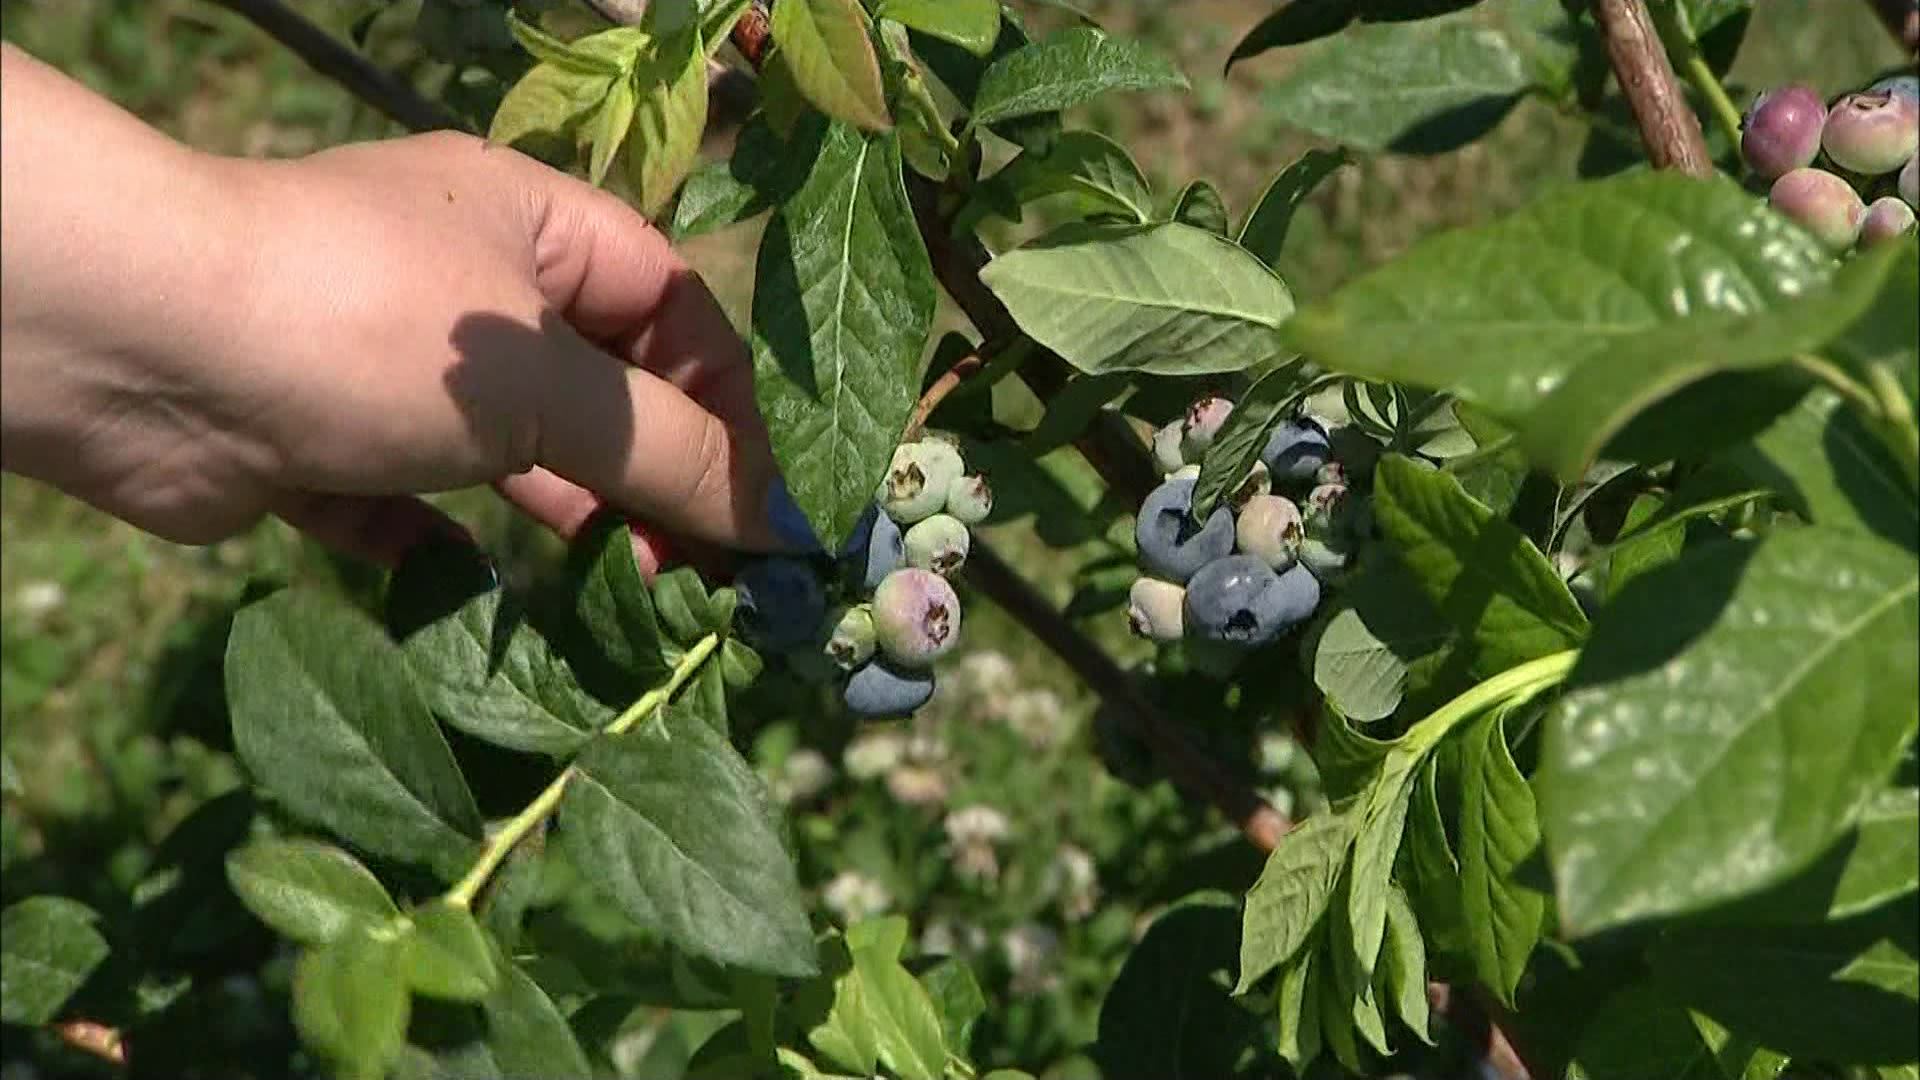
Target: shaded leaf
448	955
1168	1012
1066	69
48	949
1498	832
1264	233
350	1002
1286	903
306	890
1201	206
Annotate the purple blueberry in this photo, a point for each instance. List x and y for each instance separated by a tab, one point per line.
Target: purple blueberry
1202	423
970	499
1910	181
1171	544
1872	133
875	550
1821	203
1155	609
1166	448
878	689
1781	132
779	603
1270	529
918	479
940	544
1239	600
916	617
1296	450
1887	219
789	522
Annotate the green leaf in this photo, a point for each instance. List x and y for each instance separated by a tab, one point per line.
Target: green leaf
1843	992
684	607
1360	661
1072	409
1066	69
1642	1031
350	1002
1833	471
614	634
549	105
842	307
669	118
957	997
1235	448
1264	233
610	127
846	1036
714	198
1404	956
826	48
448	955
1347	758
1433	872
1383	808
477	662
306	890
1501	314
1201	206
526	1033
1305	20
1165	298
327	720
1888	336
1498	832
971	24
48	950
1082	163
1878	860
1568	428
1286	903
1407	87
1482	573
1298	999
1168	1012
606	53
906	1027
1648	548
1733	714
678	831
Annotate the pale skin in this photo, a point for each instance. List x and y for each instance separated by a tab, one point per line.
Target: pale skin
192	343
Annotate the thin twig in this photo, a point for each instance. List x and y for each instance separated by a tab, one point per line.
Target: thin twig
1667	124
338	61
1902	20
949	381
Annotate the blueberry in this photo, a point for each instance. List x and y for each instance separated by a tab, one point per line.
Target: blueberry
850	639
1270	529
1821	203
1203	421
1155	609
878	689
1887	219
1905	86
1872	133
918	479
779	603
875	550
1296	450
916	617
970	499
1258	482
939	544
1166	448
1239	600
1910	181
1781	132
789	522
1171	544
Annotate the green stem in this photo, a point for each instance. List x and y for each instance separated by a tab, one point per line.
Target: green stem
1516	684
501	843
1841	383
1898	428
1705	81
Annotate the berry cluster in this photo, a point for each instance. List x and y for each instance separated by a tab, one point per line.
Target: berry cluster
1867	142
895	612
1255	567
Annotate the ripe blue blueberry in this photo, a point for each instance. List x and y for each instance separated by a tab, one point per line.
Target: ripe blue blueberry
918	479
1166	448
1887	219
1822	203
970	499
1872	133
875	550
878	689
1270	529
779	603
1906	86
1202	424
1781	132
1296	450
916	617
850	639
940	544
1155	609
1228	601
789	522
1171	544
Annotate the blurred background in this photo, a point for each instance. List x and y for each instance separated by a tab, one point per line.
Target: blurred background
1007	821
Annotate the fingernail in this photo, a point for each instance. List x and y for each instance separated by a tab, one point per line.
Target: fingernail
788	521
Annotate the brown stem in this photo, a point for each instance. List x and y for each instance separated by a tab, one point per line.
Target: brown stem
343	64
1667	123
1902	19
949	381
753	34
93	1037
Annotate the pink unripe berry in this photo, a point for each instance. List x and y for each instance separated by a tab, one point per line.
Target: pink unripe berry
1781	132
1821	203
1887	219
1872	133
916	617
1910	182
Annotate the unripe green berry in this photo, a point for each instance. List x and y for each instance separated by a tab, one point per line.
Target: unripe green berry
850	637
916	617
970	499
1821	203
1258	482
940	544
1166	448
918	479
1270	529
1155	609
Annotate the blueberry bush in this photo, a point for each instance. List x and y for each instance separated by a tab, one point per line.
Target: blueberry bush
1575	548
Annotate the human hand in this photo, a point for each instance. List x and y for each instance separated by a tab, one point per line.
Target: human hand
196	342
